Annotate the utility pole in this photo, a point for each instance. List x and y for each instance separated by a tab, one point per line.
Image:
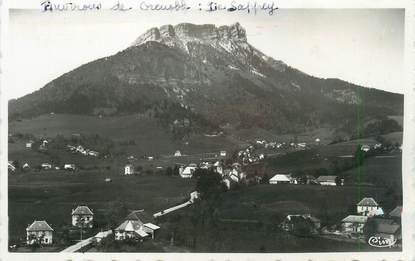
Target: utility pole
82	219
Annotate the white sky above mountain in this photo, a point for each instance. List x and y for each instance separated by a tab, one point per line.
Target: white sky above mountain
365	47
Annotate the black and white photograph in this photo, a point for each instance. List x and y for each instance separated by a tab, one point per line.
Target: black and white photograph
239	128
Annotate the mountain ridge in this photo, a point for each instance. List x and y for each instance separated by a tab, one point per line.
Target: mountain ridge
211	74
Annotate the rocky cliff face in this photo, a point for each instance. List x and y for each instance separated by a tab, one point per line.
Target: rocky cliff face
208	71
182	33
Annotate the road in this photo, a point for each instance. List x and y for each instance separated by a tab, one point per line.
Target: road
166	211
85	242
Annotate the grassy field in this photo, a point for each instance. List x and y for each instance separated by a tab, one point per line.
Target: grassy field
270	203
51	196
397	118
247	219
150	137
384	170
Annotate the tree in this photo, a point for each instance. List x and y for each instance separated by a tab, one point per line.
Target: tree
169	171
338	181
117	210
370	228
265	179
209	183
176	170
359	156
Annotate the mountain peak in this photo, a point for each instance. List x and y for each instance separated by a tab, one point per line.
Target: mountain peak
188	31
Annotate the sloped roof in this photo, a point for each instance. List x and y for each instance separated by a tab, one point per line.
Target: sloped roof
152	226
368	202
327	179
39	225
132	226
140	215
129	225
387	228
82	210
396	212
355	219
281	177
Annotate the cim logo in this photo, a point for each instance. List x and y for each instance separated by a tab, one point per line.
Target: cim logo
381	242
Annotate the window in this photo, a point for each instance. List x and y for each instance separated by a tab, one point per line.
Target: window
46	240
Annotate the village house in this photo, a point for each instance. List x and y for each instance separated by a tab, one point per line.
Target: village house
327	180
29	144
377	146
205	165
228	182
39	232
69	167
128	169
354	224
46	166
93	153
177	153
217	167
396	214
309	179
187	172
301	222
280	179
302	145
367	206
10	166
138	226
223	153
26	166
235	174
365	148
82	216
194	196
43	145
387	229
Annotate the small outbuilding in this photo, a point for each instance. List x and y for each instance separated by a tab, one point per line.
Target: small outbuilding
327	180
128	169
280	179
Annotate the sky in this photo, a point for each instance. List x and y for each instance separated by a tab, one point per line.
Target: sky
362	46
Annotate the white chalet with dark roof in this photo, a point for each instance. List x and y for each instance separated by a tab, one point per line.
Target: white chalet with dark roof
366	206
39	232
82	216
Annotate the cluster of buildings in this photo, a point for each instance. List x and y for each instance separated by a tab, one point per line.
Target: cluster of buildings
301	223
384	225
44	166
42	146
247	156
283	145
138	225
368	213
307	179
41	232
230	174
84	151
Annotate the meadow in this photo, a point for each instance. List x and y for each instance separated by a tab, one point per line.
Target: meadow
52	195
